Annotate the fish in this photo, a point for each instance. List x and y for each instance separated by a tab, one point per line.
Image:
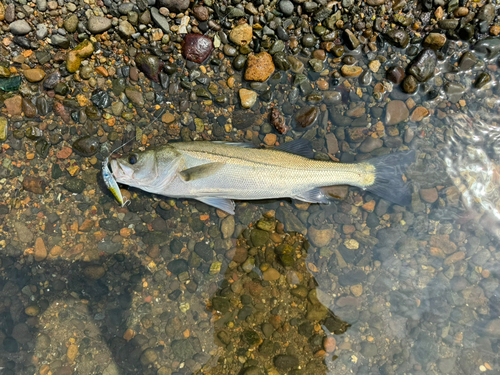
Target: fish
217	173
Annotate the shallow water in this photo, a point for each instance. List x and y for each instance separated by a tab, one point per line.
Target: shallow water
165	286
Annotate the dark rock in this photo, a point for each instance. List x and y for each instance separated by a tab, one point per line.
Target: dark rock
178	266
395	74
350	39
306	117
100	99
175	6
86	146
183	349
398	38
488	46
197	48
285	362
204	251
481	80
75	185
423	65
467	61
150	65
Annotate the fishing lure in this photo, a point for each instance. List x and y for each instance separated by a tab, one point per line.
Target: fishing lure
107	175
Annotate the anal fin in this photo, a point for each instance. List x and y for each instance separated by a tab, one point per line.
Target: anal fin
226	205
315	195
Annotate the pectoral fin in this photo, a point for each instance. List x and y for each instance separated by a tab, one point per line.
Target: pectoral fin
226	205
200	171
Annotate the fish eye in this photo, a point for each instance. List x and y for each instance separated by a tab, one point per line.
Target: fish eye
132	159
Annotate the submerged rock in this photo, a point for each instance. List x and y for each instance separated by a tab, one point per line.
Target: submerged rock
197	48
422	67
150	65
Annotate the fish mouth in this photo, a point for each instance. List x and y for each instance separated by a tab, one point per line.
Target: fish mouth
119	172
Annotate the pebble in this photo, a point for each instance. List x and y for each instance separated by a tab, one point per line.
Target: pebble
86	146
4	126
134	96
126	29
75	57
320	236
14	105
34	75
247	97
175	6
396	112
20	27
370	144
98	25
241	34
351	70
271	274
160	20
306	116
410	84
429	195
435	41
423	65
419	113
259	67
24	234
395	74
285	362
374	66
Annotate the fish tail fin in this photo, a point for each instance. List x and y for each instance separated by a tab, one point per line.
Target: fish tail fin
389	183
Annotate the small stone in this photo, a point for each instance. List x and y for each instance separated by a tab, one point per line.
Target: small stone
134	96
34	75
4	72
370	144
75	56
285	362
241	34
24	234
374	66
350	39
320	237
398	38
259	67
395	74
357	290
201	13
98	25
86	146
4	127
270	139
150	65
14	105
419	113
247	97
396	112
178	266
434	41
329	344
375	3
429	195
32	310
271	274
175	6
160	20
34	184
495	30
306	117
20	27
94	272
71	23
351	70
126	29
72	352
410	85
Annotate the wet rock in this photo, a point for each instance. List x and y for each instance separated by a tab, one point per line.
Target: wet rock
183	349
150	65
59	41
75	56
271	274
467	61
175	6
375	3
201	13
370	144
241	34
71	23
20	27
486	14
259	67
159	20
86	146
481	80
278	121
14	105
34	184
320	236
419	113
52	80
350	39
74	185
285	362
94	272
422	67
4	127
396	112
24	234
4	72
196	47
448	24
434	41
351	70
220	304
101	99
29	108
98	25
286	7
352	277
34	75
398	38
178	266
134	96
395	74
429	195
125	29
410	85
454	91
247	97
306	117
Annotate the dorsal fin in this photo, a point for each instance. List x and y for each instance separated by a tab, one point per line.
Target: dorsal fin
300	147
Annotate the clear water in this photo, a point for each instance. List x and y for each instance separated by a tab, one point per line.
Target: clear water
400	290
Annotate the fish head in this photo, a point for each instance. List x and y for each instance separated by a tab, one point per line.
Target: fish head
137	169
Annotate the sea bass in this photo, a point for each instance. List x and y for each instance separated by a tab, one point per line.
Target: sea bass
217	173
